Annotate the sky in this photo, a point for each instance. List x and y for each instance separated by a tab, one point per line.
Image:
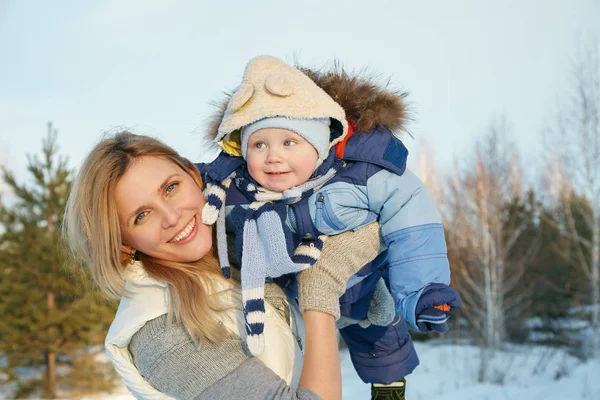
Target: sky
154	67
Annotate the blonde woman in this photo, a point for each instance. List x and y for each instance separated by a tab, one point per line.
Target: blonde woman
133	219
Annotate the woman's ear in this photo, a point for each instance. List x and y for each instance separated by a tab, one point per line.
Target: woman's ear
127	249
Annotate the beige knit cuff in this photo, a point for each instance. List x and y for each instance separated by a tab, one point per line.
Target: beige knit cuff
315	298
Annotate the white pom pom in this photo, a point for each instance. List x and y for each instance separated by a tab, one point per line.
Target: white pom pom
256	344
210	214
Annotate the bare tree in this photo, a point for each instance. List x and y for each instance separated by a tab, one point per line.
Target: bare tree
482	230
427	171
574	159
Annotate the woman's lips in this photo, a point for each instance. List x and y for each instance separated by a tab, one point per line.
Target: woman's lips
187	233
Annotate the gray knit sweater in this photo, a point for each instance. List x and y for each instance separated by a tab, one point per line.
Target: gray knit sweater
168	359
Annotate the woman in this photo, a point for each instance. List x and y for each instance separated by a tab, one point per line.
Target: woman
133	218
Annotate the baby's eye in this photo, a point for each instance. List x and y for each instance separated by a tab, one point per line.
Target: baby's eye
289	143
140	217
259	145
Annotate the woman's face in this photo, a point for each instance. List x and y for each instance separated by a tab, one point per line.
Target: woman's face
159	208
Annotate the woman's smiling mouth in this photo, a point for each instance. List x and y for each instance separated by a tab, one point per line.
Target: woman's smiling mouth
185	232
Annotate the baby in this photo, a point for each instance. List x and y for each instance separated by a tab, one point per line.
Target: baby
294	170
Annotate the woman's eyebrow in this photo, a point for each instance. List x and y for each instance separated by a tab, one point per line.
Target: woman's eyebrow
166	182
160	189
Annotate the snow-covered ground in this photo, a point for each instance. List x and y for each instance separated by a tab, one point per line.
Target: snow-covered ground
450	372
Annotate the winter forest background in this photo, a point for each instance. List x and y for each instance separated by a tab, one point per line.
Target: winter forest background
523	234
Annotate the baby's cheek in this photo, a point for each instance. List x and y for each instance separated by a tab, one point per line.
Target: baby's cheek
255	169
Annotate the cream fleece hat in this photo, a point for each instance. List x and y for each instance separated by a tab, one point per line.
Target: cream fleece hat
272	88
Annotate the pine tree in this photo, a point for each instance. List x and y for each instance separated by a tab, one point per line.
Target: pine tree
561	288
49	315
573	158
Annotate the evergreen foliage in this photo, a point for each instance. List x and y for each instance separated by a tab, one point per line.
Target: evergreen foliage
50	313
559	286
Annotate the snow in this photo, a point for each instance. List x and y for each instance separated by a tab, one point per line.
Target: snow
450	371
519	373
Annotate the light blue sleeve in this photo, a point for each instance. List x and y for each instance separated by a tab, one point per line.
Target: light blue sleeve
412	230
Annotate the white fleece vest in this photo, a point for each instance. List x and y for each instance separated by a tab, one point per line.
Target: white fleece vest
149	299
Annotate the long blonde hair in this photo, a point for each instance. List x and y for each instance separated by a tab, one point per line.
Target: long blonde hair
91	229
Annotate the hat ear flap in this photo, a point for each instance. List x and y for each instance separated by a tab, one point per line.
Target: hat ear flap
241	97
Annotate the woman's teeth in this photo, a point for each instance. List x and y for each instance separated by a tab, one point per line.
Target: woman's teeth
184	233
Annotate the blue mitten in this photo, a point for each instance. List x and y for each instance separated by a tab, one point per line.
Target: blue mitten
435	306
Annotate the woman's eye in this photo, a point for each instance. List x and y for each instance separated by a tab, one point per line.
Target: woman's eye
172	187
140	217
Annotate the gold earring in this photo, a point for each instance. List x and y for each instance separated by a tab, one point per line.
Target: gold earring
132	257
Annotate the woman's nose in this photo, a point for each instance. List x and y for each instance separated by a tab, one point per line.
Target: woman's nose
171	215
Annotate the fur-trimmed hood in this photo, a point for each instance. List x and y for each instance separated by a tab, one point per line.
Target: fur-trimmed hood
361	97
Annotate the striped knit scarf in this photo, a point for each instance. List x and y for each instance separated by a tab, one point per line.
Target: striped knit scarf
264	249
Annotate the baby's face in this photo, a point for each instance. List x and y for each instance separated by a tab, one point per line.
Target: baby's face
279	159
